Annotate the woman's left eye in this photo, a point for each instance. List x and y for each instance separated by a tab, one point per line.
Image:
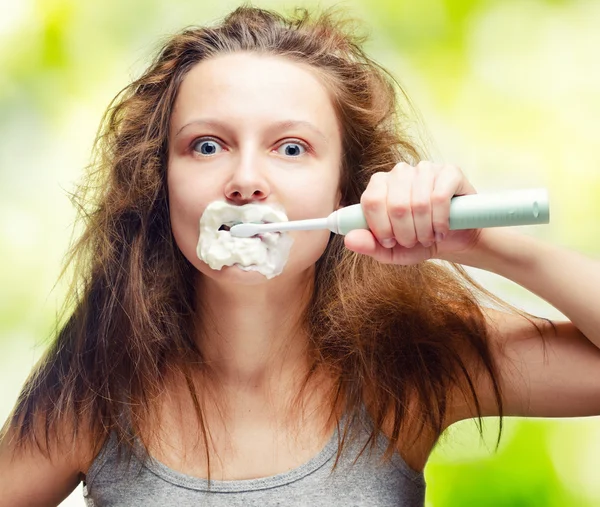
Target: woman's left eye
292	149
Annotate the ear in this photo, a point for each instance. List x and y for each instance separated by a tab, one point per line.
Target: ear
338	200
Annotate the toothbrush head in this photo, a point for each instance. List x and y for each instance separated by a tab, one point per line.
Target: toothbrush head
245	230
228	226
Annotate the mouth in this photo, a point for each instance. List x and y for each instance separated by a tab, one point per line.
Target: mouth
228	225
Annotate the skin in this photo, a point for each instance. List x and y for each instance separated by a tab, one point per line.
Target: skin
250	109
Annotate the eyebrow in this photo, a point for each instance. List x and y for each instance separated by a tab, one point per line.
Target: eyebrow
280	125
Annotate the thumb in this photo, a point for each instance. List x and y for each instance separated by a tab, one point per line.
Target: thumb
362	241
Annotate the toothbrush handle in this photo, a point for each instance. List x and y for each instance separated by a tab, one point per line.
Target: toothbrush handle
500	209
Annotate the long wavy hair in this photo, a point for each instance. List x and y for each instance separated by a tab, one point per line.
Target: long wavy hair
401	333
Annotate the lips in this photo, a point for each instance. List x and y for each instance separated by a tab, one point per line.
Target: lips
266	253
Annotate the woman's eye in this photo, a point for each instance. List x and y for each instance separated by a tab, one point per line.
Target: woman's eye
207	147
292	149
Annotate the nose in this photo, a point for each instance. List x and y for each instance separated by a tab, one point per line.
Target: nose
247	183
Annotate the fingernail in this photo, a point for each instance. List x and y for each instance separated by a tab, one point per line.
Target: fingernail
439	237
388	243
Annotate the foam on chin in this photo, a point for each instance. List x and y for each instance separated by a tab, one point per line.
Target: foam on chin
267	254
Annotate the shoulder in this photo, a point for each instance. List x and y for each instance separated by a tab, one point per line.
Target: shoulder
415	442
507	337
57	459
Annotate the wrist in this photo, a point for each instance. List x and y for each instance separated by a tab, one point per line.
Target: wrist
497	250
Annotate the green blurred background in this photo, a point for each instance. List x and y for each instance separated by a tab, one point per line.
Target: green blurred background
506	89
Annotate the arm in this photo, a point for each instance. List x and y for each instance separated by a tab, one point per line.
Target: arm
558	376
407	210
30	479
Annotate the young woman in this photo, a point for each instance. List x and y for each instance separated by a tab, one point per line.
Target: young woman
195	368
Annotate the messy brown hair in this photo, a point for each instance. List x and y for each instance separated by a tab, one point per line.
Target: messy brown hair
400	333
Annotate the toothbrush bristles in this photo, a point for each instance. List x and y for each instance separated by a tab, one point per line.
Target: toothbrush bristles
245	230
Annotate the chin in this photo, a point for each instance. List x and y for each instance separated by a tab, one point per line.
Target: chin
234	274
300	264
293	272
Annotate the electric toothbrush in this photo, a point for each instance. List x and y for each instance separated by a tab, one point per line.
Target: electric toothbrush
475	211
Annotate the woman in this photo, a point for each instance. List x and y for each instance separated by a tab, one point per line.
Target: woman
181	376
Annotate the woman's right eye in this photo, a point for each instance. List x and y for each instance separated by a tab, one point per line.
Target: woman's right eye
207	147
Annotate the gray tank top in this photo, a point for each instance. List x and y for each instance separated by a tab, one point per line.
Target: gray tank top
365	483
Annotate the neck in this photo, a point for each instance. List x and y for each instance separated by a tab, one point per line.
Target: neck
253	336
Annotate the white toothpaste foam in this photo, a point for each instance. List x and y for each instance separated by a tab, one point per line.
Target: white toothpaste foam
267	254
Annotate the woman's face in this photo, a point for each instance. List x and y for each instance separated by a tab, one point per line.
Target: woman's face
250	128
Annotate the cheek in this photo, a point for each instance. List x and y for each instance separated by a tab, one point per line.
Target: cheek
186	205
311	208
316	198
316	201
307	249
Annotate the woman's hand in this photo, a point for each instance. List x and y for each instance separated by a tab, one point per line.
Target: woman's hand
408	211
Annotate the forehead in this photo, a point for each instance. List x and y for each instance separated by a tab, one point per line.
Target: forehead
247	88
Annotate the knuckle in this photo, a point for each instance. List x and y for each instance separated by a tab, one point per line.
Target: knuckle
402	165
421	206
439	198
378	176
370	203
399	210
403	169
456	173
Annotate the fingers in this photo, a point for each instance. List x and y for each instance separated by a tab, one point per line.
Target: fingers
448	183
420	204
399	204
373	203
409	207
364	242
